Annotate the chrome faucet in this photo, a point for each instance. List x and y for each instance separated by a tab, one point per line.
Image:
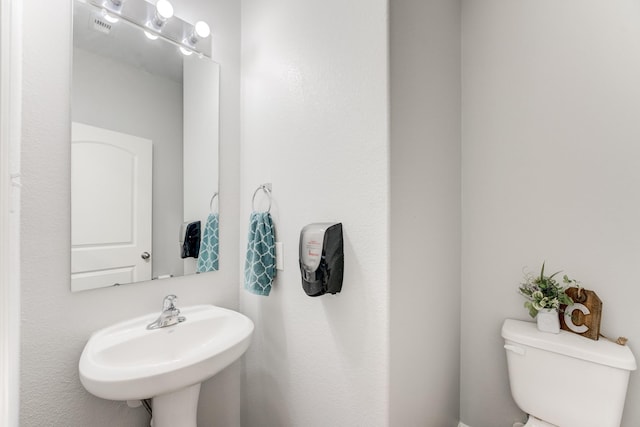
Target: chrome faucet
170	314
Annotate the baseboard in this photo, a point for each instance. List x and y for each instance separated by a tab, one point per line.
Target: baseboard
461	424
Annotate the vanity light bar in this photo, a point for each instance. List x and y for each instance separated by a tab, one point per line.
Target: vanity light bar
158	20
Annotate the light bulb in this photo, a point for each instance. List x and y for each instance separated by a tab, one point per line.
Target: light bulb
185	51
114	5
150	36
201	29
109	17
164	10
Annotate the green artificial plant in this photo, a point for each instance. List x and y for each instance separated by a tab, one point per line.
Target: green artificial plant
545	292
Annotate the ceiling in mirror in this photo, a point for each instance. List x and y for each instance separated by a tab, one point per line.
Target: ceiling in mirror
144	155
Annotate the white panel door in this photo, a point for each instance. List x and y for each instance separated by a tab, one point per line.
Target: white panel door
110	207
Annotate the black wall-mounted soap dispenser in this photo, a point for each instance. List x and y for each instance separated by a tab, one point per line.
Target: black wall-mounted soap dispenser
321	258
190	239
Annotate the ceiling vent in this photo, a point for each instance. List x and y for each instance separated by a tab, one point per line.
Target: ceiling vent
99	24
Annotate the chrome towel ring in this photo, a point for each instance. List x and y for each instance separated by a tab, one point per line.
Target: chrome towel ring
266	188
211	202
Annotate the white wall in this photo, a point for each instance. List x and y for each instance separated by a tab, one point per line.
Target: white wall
10	136
315	125
550	160
55	323
425	212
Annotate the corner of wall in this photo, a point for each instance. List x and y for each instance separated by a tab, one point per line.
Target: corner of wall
425	211
10	137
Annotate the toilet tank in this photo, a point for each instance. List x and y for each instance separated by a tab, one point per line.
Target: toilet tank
566	379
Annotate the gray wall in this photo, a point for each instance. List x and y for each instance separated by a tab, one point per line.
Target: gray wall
425	213
550	160
55	323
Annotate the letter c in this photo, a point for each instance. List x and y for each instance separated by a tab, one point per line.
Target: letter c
568	320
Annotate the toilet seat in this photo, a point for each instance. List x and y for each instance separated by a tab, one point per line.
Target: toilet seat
535	422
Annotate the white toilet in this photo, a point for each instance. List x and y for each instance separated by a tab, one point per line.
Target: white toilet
566	380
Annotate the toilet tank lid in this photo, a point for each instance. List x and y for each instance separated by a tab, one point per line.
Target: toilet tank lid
569	344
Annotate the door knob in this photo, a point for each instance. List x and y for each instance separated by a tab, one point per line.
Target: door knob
145	255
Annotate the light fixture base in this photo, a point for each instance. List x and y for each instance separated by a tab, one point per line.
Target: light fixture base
142	13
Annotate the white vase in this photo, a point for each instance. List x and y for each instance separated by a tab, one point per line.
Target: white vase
548	320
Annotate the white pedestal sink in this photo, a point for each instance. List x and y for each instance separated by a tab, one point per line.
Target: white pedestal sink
127	361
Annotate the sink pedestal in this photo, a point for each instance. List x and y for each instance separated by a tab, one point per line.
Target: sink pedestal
179	408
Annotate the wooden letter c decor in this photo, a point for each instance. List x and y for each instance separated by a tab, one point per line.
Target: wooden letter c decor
583	317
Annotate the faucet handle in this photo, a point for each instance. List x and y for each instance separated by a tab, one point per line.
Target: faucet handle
169	302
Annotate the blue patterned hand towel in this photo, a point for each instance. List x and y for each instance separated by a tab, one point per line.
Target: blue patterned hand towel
260	266
208	257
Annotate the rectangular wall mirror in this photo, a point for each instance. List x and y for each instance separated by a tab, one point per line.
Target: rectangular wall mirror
144	150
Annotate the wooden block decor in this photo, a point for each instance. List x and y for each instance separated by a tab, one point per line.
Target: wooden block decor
583	317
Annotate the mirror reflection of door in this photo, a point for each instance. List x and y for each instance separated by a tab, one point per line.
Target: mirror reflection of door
111	178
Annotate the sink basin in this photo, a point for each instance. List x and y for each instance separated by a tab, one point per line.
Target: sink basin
127	361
